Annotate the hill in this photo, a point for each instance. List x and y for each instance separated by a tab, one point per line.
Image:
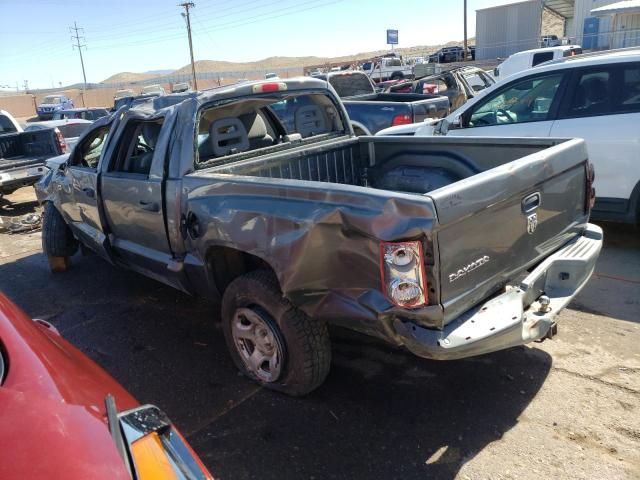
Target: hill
270	63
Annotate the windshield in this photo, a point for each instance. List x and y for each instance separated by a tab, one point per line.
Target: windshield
272	123
351	84
52	99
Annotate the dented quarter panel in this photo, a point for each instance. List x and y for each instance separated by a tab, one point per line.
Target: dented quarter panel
323	243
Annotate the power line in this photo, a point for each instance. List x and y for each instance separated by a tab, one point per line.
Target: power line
187	6
80	46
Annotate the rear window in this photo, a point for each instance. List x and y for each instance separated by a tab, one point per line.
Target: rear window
541	57
270	124
72	130
350	85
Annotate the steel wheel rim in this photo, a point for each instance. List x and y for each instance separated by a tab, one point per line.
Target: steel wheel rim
257	344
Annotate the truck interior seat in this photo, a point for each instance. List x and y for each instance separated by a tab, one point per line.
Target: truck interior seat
228	135
257	130
309	120
142	163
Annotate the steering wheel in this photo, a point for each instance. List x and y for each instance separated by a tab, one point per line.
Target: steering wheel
505	113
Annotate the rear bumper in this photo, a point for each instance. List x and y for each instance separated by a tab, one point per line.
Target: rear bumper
11	180
503	321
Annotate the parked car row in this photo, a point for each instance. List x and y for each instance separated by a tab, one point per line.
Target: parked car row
594	96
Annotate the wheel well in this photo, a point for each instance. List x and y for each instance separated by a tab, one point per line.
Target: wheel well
225	264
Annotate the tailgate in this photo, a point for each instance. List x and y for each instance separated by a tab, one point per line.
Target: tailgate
496	224
12	164
434	108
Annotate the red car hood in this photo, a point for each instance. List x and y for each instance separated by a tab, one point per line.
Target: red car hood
52	414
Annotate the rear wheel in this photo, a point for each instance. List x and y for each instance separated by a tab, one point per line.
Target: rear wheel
270	340
58	243
397	76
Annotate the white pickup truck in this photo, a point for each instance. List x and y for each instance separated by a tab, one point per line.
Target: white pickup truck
387	68
23	154
592	96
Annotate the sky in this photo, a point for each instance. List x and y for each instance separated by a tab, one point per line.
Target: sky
143	35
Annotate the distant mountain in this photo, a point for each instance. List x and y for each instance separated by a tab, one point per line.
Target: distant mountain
270	63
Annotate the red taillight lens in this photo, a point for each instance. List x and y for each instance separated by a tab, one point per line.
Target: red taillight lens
402	273
269	87
590	191
403	119
62	144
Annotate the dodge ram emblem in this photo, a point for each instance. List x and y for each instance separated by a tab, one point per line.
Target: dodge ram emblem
532	223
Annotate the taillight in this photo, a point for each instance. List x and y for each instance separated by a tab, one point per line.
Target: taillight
62	144
269	87
403	119
403	274
590	191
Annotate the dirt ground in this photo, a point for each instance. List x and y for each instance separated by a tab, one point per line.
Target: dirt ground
565	408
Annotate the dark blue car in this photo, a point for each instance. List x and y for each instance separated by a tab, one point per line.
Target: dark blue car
51	104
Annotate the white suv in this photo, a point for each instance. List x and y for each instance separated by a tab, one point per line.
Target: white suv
594	96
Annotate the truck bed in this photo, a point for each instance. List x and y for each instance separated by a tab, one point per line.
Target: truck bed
479	188
27	148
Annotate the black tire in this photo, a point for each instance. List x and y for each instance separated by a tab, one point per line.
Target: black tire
305	344
397	76
58	243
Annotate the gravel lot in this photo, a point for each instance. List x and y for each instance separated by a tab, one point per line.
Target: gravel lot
565	408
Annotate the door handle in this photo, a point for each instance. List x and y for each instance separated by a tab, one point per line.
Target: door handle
89	192
531	202
149	206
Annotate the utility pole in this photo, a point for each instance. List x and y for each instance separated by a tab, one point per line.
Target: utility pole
187	6
465	30
79	46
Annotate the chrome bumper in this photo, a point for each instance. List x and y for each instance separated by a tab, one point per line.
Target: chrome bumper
21	177
503	321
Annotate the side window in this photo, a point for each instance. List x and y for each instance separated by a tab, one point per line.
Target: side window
476	82
135	152
541	57
606	91
90	149
630	91
526	100
591	95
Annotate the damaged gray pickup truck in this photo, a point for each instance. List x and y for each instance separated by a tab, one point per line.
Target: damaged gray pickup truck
259	193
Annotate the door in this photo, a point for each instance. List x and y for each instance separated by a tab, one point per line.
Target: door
604	109
524	107
78	189
131	191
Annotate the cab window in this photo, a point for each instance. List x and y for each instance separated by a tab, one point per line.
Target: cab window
541	57
135	153
527	100
90	149
610	90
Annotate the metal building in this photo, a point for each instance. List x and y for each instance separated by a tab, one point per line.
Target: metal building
507	29
594	24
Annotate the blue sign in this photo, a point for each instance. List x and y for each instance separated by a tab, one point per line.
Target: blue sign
392	37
